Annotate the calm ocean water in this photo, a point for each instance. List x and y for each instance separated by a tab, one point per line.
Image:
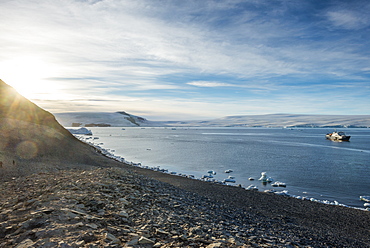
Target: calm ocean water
310	165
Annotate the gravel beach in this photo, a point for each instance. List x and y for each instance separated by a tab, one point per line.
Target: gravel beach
124	206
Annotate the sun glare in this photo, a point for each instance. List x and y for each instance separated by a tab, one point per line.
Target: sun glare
28	75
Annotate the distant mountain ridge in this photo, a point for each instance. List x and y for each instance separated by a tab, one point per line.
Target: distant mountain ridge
101	119
124	119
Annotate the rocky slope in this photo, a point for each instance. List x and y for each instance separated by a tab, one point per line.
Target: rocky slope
116	207
15	107
29	134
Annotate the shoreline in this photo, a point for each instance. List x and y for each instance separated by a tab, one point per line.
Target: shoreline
124	206
109	154
323	218
106	203
313	217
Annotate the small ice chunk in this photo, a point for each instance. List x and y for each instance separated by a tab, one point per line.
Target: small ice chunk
206	176
252	187
264	178
228	180
365	198
278	184
284	192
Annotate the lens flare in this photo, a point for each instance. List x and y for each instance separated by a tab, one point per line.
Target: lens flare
27	149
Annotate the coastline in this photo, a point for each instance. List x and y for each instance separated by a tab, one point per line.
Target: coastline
124	206
267	204
276	190
340	220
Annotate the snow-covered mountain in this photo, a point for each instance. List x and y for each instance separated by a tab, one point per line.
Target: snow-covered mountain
284	120
100	119
123	119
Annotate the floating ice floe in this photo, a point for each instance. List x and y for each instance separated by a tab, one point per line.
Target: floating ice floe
284	192
264	178
206	176
365	198
229	180
278	184
210	174
252	187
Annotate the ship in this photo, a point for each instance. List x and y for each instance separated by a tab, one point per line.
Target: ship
337	136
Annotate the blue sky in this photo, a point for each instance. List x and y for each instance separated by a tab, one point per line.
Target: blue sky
182	60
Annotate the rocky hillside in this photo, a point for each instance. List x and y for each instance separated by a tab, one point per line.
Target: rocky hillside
16	107
29	134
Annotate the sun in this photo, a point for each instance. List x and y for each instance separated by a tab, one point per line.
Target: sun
29	76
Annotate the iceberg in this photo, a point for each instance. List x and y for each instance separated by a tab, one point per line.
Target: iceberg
264	178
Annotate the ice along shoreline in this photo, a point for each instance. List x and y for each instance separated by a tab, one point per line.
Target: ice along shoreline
85	136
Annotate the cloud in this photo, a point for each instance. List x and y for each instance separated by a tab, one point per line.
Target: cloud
210	84
124	32
146	39
145	50
347	19
352	15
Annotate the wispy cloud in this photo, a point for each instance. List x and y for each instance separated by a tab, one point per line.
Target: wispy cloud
209	84
193	53
350	15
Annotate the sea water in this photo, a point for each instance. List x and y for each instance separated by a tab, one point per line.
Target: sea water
310	165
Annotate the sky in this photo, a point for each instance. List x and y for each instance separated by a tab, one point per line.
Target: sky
189	59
